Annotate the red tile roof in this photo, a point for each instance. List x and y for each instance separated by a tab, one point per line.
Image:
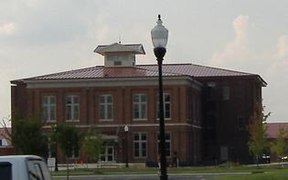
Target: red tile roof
273	129
196	70
192	70
102	72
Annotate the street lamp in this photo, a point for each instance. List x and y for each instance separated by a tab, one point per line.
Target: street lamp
126	129
159	38
55	134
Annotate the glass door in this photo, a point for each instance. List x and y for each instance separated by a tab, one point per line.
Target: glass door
107	154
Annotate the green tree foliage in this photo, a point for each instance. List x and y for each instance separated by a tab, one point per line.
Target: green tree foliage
258	142
27	137
92	144
280	145
69	139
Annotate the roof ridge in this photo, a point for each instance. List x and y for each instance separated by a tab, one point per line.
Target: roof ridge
164	64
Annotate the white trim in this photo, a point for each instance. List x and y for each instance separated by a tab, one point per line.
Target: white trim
51	121
112	82
71	121
134	125
140	119
106	120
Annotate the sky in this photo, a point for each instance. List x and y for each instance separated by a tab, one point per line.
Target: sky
39	37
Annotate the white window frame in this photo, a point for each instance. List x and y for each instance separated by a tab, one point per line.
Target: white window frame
74	107
104	156
142	151
106	106
48	106
141	106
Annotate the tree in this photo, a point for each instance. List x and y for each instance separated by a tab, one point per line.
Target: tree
258	142
92	144
27	137
279	146
69	139
7	132
53	144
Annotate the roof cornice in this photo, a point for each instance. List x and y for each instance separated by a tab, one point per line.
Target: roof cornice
112	82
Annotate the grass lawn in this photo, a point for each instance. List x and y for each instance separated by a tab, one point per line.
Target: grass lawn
252	173
276	174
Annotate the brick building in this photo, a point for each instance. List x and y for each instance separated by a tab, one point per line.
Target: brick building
5	144
206	109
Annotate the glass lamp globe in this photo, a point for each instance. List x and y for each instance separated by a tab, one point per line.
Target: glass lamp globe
159	35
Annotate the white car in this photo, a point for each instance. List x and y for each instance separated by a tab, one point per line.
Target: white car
23	167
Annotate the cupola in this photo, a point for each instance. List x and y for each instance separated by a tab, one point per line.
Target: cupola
117	54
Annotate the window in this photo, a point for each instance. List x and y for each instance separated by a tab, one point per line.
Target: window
167	106
139	106
211	121
37	170
117	63
226	93
167	143
241	123
224	153
210	91
74	153
49	108
6	170
107	153
106	107
195	109
72	108
140	145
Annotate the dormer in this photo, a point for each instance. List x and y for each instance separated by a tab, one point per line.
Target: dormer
119	55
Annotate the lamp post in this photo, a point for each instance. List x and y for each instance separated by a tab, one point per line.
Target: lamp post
159	38
55	134
126	129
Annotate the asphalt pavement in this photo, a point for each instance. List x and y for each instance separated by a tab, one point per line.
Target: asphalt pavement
192	176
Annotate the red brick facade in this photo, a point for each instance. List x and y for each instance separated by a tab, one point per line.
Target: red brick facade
208	108
185	132
191	108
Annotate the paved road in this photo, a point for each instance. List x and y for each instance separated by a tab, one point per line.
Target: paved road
206	176
133	177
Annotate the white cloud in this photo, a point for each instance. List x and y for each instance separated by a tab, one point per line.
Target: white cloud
7	28
282	47
240	25
236	50
277	78
5	77
279	60
32	3
270	62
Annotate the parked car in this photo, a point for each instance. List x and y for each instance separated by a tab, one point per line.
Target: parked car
265	158
284	158
23	167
